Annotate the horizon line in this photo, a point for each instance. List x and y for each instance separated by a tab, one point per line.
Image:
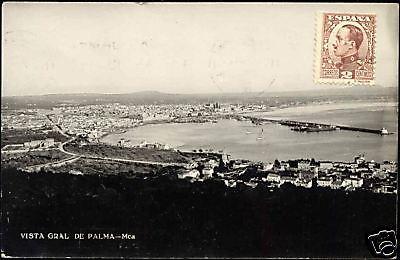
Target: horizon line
208	93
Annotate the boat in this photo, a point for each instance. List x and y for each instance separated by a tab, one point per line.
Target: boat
248	132
261	134
384	131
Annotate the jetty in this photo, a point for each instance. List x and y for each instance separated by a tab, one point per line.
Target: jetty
304	126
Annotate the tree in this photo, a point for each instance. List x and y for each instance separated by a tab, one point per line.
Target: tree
313	162
200	168
277	164
230	164
221	167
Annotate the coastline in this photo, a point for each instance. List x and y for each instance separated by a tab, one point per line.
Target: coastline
244	145
323	106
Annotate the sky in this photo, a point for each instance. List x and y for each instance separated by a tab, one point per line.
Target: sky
174	48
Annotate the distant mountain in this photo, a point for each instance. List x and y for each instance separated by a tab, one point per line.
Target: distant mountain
155	97
351	90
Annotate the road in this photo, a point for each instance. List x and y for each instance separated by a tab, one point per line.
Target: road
133	161
61	147
63	161
57	127
76	156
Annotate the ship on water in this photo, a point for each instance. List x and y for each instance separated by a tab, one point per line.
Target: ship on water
384	131
260	137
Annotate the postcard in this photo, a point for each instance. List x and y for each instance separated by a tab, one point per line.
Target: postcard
199	130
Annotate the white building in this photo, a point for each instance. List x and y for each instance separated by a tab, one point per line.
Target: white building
230	183
359	159
353	182
225	158
191	174
325	165
389	166
304	183
48	142
212	163
303	165
324	181
208	172
288	179
268	166
273	177
33	144
192	165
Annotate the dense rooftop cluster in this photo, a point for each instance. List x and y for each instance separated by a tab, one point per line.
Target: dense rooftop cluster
349	176
97	120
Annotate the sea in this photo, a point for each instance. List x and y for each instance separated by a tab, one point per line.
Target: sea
270	141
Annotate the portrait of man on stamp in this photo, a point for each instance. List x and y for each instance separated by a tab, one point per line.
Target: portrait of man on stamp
348	41
346	48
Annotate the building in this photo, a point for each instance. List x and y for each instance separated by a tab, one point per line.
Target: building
325	165
307	175
283	166
211	163
208	172
191	174
155	145
324	181
240	164
288	179
121	142
230	183
366	175
352	182
303	165
273	177
75	172
304	183
33	144
225	158
388	189
337	184
372	164
388	166
192	165
359	159
268	167
48	142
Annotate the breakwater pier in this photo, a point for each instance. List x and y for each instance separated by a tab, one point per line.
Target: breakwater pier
304	126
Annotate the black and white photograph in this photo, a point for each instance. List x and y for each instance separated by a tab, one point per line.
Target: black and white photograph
199	130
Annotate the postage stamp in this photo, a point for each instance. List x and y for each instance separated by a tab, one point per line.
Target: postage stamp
345	48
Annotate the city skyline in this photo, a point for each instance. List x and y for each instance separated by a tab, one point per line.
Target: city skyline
172	48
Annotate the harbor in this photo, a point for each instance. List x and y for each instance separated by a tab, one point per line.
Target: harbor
304	126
